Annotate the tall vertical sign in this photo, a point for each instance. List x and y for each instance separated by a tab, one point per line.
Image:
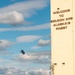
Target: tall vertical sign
62	35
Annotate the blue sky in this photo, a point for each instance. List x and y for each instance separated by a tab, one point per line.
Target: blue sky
25	24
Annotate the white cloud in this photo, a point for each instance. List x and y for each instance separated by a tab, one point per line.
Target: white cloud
35	47
4	44
13	18
14	71
30	28
43	42
14	67
11	63
40	59
27	8
38	72
18	12
11	71
28	38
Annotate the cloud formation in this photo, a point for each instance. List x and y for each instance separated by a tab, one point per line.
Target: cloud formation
30	28
26	8
15	71
28	38
4	44
35	47
13	18
35	58
43	42
38	72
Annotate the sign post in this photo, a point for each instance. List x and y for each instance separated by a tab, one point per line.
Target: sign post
63	37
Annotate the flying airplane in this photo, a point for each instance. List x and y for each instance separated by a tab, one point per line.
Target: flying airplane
23	52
